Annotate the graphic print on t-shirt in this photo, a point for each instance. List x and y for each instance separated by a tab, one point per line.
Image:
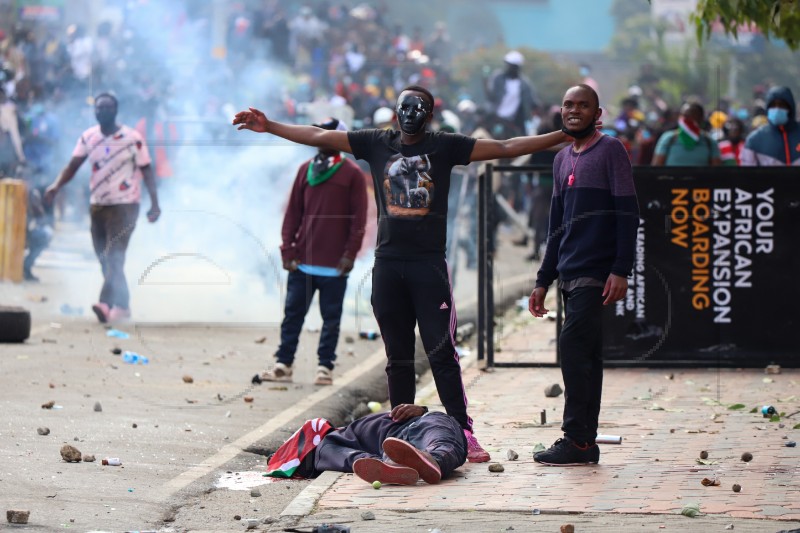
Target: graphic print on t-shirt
408	186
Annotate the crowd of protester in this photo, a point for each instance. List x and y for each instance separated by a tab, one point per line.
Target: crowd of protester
333	59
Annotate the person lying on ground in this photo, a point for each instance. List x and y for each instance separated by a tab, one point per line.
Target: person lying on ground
398	447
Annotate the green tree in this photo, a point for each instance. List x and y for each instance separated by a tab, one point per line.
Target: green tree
775	18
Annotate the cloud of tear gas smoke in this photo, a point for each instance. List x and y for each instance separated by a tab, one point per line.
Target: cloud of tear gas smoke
214	254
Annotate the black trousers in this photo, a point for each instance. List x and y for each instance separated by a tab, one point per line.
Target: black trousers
409	293
112	227
436	433
581	345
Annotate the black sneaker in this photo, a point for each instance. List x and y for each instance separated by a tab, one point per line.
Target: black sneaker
565	452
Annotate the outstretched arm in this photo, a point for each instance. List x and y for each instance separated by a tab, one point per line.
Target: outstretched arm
487	149
255	120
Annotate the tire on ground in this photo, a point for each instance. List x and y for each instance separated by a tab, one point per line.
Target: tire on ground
15	324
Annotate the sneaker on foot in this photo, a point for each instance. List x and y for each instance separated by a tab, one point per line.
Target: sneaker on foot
324	376
119	314
101	309
370	470
475	453
403	453
565	452
279	372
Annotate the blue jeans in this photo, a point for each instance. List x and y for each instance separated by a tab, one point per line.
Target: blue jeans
299	293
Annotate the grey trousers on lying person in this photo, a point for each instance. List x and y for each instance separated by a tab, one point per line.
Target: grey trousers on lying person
437	433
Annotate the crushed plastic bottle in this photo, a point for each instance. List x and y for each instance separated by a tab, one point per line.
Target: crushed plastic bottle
134	358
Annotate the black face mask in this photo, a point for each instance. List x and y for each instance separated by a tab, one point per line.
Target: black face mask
581	134
412	112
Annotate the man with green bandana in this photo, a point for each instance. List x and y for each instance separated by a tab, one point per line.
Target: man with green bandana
322	233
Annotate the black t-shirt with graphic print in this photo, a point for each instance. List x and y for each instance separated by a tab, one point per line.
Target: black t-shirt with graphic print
411	187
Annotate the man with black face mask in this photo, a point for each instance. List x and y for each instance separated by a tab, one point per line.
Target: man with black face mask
410	281
119	159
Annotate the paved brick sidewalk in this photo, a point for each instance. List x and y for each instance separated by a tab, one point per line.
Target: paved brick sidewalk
666	417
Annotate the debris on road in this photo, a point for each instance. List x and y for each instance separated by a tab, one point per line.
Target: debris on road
367	515
706	482
512	455
70	454
188	379
704	455
15	516
88	458
772	369
43	431
261	340
496	468
255	493
375	407
553	391
349	340
538	447
567	528
111	461
747	457
736	487
134	358
97	407
48	405
116	351
790	444
248	399
376	484
117	334
691	510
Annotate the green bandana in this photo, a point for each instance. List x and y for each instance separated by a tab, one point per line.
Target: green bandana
317	175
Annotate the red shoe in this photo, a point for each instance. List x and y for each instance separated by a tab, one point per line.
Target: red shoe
101	310
370	470
119	314
402	452
475	454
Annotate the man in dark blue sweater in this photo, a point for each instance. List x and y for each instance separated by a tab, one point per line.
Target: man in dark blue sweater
594	217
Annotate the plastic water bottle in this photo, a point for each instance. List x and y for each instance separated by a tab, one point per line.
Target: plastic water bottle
369	335
134	358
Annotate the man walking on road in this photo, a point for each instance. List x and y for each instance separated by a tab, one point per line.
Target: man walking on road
410	280
119	159
322	233
594	217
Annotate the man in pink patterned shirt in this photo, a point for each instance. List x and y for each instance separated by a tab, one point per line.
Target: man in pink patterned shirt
119	159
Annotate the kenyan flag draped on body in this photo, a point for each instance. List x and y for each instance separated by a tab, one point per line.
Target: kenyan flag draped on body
285	461
688	133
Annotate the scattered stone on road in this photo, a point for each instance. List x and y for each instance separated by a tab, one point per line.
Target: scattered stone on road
48	405
188	379
43	431
367	515
16	516
88	458
496	467
736	487
747	457
567	528
255	493
553	391
70	454
512	455
704	455
248	399
791	444
97	407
